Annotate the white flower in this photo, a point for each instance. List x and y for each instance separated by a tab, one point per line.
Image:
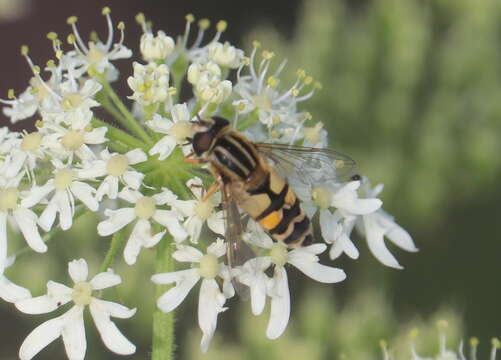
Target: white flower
375	226
21	108
156	47
14	210
64	187
144	211
211	298
252	274
209	87
98	55
176	130
116	169
9	291
70	325
25	154
150	83
225	54
199	211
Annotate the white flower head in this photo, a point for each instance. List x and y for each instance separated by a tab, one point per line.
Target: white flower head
150	83
70	325
225	54
156	47
144	212
176	131
211	298
208	85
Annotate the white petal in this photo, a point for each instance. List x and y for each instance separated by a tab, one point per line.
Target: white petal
27	222
93	170
210	304
63	204
37	193
109	186
40	337
280	304
74	333
163	147
133	179
105	280
174	276
46	219
186	253
37	305
136	156
169	219
78	270
217	248
117	220
11	292
216	222
130	195
193	226
85	193
3	241
319	272
116	310
175	296
111	336
254	277
375	240
59	293
139	233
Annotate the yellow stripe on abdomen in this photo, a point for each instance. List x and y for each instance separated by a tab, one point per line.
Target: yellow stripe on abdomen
271	220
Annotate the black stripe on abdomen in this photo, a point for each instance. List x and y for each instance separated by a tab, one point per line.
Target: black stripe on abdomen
287	217
237	153
300	228
276	202
227	161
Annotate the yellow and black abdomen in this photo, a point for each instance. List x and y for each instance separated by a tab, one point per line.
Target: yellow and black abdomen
277	209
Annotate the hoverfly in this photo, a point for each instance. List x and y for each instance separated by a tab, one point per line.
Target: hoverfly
254	177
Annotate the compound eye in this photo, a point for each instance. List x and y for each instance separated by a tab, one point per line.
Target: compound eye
202	142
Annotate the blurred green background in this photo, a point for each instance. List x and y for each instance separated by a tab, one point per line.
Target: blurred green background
412	91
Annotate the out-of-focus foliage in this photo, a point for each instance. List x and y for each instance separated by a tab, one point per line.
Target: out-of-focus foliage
324	330
411	91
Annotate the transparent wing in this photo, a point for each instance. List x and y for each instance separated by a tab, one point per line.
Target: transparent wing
310	166
238	252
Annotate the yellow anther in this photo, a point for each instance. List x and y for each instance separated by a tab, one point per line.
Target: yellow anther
52	35
474	341
276	120
106	11
172	91
10	94
301	73
189	18
272	81
383	344
71	20
496	343
245	61
36	69
240	107
71	39
204	24
295	92
94	36
140	19
307	116
25	50
221	25
59	53
267	54
256	44
121	26
51	63
317	85
308	80
38	123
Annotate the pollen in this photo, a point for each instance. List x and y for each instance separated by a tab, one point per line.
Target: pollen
106	11
181	130
82	293
11	94
145	208
279	254
189	18
267	55
221	25
117	165
52	36
272	81
73	140
31	142
204	209
322	197
25	50
140	19
204	24
209	267
8	199
63	179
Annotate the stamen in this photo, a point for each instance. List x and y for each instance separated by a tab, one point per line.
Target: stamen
36	72
189	19
203	24
473	348
221	27
72	20
106	12
496	344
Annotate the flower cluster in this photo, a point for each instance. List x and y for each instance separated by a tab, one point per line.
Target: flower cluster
74	161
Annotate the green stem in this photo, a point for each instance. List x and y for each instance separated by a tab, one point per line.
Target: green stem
104	100
117	135
163	323
116	244
127	120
